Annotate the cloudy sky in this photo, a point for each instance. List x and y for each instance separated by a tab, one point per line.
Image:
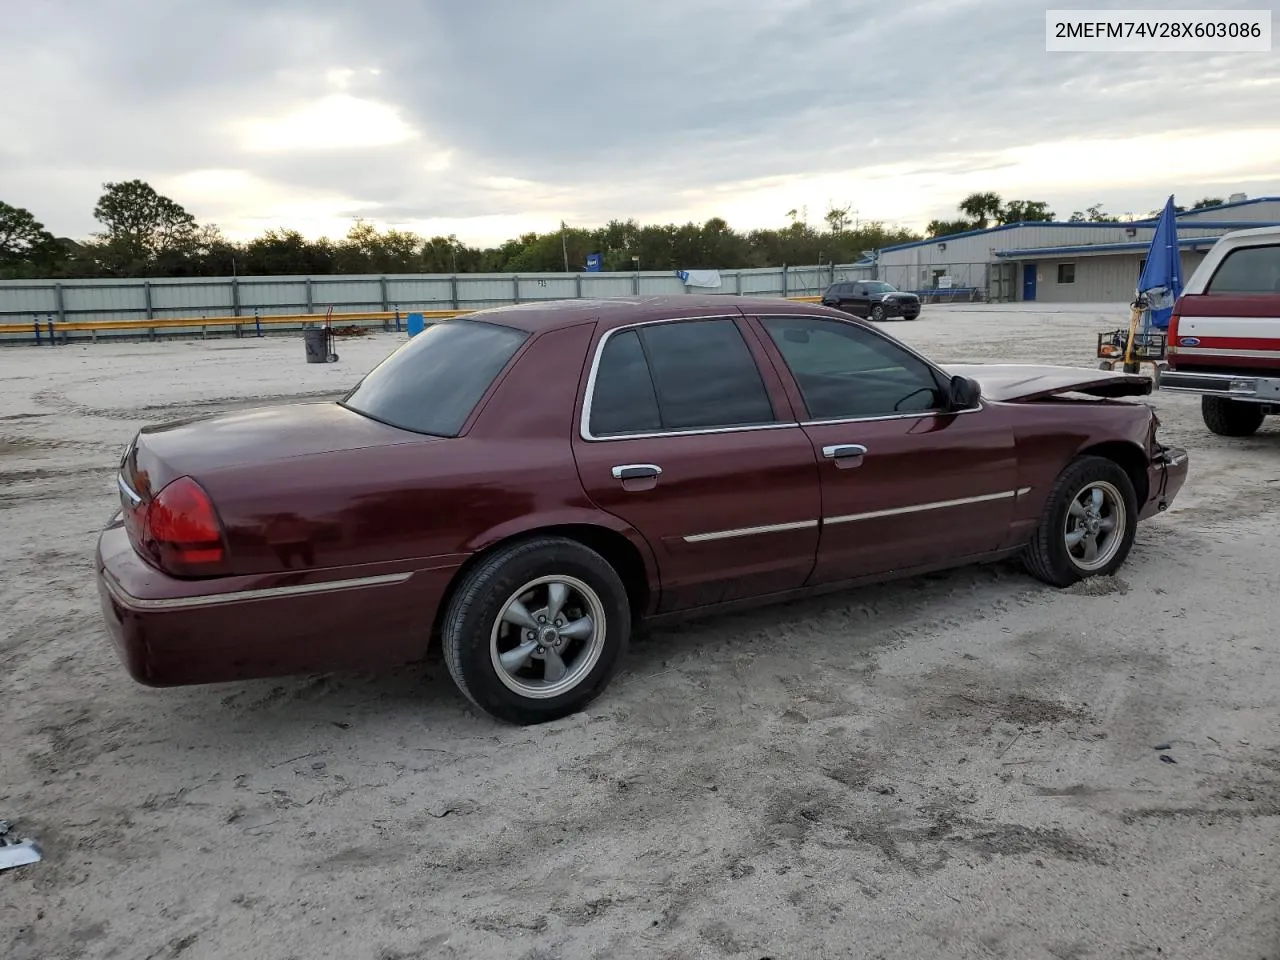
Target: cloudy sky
486	118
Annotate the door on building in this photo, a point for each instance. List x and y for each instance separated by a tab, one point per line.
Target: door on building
1028	281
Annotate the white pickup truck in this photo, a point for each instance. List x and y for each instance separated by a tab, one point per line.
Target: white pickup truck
1224	335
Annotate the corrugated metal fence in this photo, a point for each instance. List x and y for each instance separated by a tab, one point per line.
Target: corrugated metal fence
31	302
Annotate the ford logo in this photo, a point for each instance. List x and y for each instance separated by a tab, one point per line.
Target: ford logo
1189	341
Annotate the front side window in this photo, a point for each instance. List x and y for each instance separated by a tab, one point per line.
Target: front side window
681	375
1248	270
432	383
845	371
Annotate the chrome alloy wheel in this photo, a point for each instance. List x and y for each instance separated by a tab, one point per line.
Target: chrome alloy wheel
548	637
1095	525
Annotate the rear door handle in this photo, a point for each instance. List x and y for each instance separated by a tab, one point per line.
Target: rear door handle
839	450
636	471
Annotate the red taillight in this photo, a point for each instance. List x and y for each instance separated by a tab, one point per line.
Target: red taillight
182	530
1171	335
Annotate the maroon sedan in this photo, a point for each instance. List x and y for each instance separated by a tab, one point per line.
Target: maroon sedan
528	482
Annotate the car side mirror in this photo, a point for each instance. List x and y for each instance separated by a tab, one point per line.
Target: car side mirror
963	393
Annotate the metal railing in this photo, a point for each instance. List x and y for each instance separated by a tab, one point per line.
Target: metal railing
47	330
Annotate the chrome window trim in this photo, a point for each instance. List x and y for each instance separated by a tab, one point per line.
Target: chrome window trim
585	433
584	423
238	596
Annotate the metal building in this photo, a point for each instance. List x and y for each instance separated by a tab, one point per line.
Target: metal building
1055	262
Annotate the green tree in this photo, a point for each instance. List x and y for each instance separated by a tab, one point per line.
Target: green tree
141	225
25	245
1094	214
1024	211
837	218
981	208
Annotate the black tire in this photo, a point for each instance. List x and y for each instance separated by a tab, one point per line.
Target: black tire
1047	556
1231	418
877	313
479	600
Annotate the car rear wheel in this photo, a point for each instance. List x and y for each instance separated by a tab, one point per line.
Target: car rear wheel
536	631
1231	418
1088	524
877	312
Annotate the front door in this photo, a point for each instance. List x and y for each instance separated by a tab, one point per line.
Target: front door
905	482
691	444
1028	281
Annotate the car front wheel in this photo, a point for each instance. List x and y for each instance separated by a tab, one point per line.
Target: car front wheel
1088	524
536	631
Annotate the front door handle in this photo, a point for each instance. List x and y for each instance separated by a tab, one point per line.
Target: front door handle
840	450
636	471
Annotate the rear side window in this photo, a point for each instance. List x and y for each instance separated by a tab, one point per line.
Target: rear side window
624	400
690	374
1248	270
432	383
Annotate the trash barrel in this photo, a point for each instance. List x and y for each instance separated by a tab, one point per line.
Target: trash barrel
417	323
317	341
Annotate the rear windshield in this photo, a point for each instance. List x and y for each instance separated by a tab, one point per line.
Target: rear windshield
432	383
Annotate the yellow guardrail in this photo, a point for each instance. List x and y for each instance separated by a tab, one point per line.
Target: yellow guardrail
189	323
172	323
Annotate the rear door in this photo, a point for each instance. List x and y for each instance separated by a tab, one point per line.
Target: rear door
905	483
687	434
859	300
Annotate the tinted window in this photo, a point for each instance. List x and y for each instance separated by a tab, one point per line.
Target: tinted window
684	375
1248	270
705	375
844	370
624	400
433	382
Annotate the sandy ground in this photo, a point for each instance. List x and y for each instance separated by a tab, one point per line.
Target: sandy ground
963	765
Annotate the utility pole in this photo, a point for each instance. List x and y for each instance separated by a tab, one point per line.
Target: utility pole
564	247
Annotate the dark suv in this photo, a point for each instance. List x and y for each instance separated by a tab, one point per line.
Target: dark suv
873	299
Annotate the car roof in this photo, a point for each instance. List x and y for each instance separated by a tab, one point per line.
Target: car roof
540	316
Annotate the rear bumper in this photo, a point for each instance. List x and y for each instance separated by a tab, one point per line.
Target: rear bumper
1245	387
1165	477
170	632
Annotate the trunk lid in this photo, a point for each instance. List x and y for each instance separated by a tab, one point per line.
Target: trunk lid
1023	383
161	453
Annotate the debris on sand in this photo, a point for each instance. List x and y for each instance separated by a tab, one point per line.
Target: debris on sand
15	852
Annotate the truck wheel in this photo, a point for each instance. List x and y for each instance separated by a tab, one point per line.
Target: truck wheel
1231	418
536	631
1088	524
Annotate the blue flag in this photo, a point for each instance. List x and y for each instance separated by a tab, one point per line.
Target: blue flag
1161	279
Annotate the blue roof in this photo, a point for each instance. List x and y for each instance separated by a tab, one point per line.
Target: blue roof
1148	222
1108	247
